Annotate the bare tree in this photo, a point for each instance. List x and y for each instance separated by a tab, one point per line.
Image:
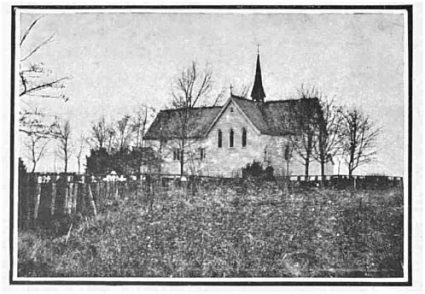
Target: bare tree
81	143
139	123
37	133
358	134
191	86
98	134
36	145
63	135
328	140
33	121
123	133
189	89
241	91
110	139
305	115
35	79
219	98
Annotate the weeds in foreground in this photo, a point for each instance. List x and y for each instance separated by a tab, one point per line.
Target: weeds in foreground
228	231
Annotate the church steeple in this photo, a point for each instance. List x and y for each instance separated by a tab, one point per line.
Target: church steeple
257	93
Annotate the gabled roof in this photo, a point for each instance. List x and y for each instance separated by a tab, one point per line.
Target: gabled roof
275	118
252	111
168	123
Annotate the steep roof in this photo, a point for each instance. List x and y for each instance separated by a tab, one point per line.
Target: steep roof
276	118
257	93
168	123
253	112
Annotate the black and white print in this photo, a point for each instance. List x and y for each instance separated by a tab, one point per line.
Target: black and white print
211	145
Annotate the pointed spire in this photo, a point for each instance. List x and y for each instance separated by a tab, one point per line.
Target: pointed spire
257	93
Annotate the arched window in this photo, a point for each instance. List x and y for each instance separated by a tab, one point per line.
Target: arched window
243	137
231	135
219	139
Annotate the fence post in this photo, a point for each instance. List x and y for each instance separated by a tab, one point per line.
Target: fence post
53	197
37	200
91	199
139	185
22	189
107	189
69	198
126	188
98	198
116	190
65	202
74	198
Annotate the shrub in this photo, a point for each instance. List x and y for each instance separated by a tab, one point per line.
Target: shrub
255	170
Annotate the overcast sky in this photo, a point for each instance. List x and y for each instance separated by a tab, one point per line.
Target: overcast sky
118	61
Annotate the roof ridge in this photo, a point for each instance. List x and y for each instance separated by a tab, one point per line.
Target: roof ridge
273	101
200	107
242	98
283	100
290	100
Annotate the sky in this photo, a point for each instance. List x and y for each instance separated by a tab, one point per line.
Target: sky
119	61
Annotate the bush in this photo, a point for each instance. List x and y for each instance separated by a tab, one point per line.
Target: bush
255	170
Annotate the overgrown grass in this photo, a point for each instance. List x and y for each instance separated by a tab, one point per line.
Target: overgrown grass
229	231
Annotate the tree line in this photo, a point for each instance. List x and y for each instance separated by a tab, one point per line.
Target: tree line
330	131
119	146
110	143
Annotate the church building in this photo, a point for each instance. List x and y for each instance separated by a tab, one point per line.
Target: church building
222	140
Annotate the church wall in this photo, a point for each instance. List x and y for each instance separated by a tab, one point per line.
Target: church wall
276	158
228	161
225	161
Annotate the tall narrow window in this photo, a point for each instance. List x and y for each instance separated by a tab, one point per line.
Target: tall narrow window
220	138
231	135
202	153
177	154
243	137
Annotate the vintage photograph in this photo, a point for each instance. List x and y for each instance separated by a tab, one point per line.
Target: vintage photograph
221	144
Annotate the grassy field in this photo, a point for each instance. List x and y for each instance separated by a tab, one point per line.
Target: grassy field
227	231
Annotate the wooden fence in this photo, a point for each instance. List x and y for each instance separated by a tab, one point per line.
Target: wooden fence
41	200
43	197
334	181
345	181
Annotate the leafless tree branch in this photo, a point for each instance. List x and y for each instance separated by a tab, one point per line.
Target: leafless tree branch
41	86
63	135
36	48
359	136
188	90
28	30
305	120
